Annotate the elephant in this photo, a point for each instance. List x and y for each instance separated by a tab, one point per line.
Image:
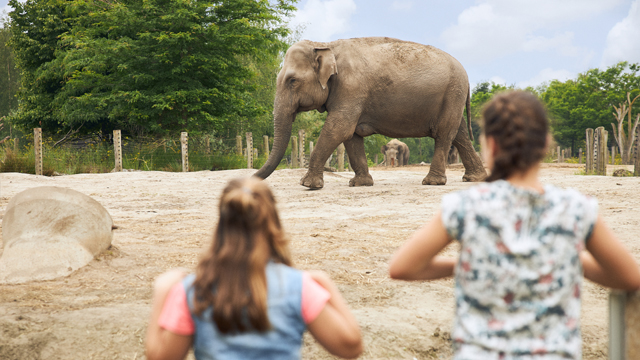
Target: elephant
401	149
453	155
375	85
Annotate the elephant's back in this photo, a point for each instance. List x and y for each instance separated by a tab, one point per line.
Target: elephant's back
385	51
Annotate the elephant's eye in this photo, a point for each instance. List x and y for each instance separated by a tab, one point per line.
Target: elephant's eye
292	81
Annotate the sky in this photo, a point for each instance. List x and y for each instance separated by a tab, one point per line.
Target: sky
512	42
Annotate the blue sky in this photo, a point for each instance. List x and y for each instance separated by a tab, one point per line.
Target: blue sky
520	42
506	41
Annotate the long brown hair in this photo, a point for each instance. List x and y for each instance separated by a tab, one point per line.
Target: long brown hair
518	123
231	275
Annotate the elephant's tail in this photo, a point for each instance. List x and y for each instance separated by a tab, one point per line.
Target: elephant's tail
468	106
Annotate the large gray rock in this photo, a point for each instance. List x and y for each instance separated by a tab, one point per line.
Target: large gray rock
49	232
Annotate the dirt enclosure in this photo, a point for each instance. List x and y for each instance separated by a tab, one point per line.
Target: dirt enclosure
165	220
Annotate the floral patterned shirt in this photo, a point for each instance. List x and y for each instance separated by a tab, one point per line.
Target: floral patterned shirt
519	275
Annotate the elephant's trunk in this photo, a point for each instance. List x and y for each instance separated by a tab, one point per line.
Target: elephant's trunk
282	129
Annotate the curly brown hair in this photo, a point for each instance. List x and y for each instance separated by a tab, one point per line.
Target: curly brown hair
517	121
231	277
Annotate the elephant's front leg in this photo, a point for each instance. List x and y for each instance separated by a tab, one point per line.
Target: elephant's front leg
358	161
330	137
437	174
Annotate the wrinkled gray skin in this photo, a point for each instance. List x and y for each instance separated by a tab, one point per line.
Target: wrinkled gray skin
402	151
373	86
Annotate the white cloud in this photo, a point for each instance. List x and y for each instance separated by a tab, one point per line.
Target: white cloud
495	28
402	5
546	75
324	19
498	80
623	42
5	10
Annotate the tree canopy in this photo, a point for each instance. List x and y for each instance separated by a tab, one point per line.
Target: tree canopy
148	66
588	101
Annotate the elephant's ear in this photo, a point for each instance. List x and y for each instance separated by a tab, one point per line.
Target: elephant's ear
326	65
383	149
400	150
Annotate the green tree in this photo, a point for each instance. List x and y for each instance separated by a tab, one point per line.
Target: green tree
480	95
588	101
10	78
151	66
36	26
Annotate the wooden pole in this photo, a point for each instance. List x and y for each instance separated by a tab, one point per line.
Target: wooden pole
341	157
624	325
117	150
37	143
588	169
601	153
559	155
249	150
310	148
265	139
614	152
184	145
294	152
239	145
636	165
580	156
301	137
16	145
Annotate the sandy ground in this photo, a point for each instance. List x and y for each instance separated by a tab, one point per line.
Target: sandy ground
165	220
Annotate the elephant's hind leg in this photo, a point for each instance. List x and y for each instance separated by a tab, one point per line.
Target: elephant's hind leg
473	167
358	161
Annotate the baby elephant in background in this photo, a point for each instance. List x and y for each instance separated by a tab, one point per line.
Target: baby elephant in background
401	151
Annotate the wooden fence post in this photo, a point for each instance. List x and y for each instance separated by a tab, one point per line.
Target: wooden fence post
588	169
375	159
37	144
310	149
601	152
614	153
636	163
239	145
249	150
294	152
265	139
301	137
184	145
624	325
117	150
559	155
580	156
16	145
341	157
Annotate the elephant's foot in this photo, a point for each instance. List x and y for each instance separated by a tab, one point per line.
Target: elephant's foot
312	181
475	177
431	179
361	180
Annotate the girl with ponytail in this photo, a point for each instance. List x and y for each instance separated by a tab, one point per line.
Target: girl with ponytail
245	300
524	247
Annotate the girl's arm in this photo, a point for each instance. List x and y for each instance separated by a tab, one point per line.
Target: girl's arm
335	328
608	262
417	260
161	344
